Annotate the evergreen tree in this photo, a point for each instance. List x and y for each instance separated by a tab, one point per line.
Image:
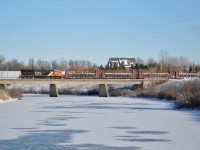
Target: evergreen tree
190	69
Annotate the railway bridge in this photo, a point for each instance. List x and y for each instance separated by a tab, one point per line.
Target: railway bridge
103	89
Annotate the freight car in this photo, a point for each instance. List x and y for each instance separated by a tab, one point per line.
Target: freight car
113	74
40	74
103	74
81	74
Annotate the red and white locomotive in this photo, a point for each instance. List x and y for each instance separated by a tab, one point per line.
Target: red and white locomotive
29	73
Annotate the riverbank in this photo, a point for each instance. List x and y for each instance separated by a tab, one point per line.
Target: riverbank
185	93
11	94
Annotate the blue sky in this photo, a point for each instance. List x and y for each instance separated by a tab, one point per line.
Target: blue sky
98	29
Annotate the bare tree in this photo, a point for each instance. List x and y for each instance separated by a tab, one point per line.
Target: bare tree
2	62
46	65
163	59
83	62
31	62
54	64
88	64
139	60
63	64
183	61
14	65
151	62
43	64
76	63
71	63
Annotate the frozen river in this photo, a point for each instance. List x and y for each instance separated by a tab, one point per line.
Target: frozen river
94	123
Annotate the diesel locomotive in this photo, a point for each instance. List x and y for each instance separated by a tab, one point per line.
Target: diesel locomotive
32	73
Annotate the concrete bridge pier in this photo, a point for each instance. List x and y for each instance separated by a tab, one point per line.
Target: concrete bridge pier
138	86
53	90
103	90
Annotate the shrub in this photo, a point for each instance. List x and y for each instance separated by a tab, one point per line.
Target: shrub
29	90
15	93
80	90
186	93
2	95
167	92
147	93
121	92
67	90
189	94
93	90
43	90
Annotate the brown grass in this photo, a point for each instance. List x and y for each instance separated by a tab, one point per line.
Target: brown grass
121	92
15	93
2	95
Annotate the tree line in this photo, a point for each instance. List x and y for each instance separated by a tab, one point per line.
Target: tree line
59	64
164	63
167	63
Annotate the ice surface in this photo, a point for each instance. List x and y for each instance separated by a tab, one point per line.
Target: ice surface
82	122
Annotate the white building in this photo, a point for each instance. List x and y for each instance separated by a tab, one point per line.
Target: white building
125	62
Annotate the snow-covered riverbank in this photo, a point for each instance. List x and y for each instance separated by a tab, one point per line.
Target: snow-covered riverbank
82	122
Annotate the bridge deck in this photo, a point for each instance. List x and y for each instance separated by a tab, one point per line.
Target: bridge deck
71	81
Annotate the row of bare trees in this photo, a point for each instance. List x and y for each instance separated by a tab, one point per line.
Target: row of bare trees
59	64
13	64
166	63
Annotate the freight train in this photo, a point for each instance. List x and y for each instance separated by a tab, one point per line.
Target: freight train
88	74
28	73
